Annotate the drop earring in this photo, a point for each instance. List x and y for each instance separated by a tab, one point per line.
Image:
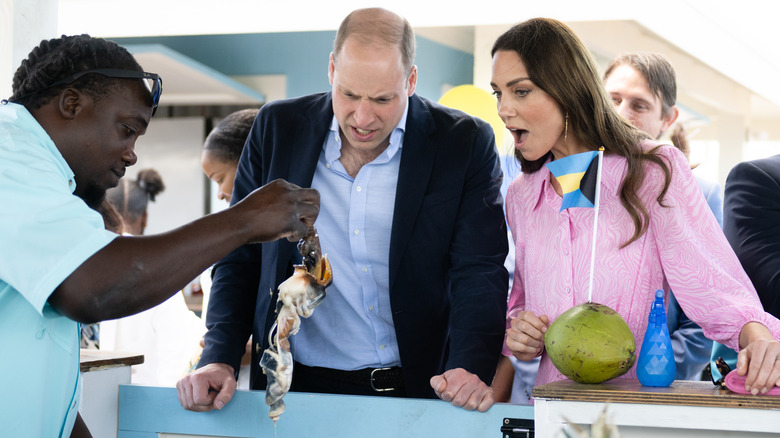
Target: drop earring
566	128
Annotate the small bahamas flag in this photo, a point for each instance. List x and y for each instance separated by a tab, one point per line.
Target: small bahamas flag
577	175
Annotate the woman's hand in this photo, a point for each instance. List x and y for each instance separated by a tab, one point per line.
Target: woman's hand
759	358
525	337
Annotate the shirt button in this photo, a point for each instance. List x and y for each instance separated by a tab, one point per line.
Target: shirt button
327	165
382	347
371	308
565	252
356	231
358	188
364	269
70	182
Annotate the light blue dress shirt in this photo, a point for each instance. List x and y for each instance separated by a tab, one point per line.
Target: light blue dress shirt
353	327
45	234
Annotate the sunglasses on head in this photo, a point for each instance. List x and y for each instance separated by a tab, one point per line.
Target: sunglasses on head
152	81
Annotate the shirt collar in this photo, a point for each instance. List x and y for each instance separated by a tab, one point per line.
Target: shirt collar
29	127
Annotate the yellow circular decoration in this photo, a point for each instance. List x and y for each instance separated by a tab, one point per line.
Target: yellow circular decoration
478	103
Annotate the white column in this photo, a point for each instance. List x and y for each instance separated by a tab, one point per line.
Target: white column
484	37
23	24
732	135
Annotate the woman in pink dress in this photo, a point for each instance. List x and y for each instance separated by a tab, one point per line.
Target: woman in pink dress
655	230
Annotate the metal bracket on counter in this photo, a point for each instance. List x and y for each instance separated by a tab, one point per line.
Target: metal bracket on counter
517	428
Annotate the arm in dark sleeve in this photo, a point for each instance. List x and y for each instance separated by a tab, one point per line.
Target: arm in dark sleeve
232	302
479	281
751	222
231	309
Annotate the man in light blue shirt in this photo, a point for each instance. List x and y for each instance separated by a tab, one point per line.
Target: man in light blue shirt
364	202
411	221
66	135
36	178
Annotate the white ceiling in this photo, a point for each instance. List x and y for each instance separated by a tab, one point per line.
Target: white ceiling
732	45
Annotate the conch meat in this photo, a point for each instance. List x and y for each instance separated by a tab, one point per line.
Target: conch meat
298	296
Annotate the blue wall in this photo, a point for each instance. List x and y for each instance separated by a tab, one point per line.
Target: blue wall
303	57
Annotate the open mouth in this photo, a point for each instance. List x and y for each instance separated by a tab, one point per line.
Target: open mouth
520	135
363	134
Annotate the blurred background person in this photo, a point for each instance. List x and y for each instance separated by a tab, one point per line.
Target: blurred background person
222	149
710	189
643	87
167	334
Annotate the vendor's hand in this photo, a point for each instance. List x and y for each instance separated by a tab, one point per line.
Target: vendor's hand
525	336
463	389
207	388
278	209
759	360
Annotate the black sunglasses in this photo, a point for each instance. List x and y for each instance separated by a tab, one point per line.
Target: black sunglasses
152	81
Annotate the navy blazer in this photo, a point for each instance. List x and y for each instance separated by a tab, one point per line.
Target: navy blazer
751	222
448	284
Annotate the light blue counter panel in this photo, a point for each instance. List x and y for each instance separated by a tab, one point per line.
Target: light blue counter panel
146	411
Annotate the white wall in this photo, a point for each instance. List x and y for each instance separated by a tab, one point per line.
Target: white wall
172	147
23	24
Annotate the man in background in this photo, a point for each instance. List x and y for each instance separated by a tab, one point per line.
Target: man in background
643	86
751	222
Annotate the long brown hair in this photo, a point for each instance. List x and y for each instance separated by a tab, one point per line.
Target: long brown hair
558	62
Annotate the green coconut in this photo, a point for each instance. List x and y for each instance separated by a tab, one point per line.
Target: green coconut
590	343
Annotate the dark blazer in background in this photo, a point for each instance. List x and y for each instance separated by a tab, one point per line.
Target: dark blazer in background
751	222
448	285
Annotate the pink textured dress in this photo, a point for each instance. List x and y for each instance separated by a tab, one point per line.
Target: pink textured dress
683	249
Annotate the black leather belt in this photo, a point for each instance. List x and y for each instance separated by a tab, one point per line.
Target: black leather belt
378	379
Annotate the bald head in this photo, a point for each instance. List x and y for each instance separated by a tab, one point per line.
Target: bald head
377	26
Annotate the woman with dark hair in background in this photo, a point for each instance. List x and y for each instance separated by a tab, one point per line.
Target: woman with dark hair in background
223	147
131	199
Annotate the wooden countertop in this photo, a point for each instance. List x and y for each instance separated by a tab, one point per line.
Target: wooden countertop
681	392
93	360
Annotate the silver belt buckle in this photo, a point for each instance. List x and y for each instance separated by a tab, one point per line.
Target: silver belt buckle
371	380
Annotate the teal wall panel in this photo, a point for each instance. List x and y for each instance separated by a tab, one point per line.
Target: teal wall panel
303	58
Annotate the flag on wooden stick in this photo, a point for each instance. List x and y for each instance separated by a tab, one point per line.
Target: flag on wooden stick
577	176
580	178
